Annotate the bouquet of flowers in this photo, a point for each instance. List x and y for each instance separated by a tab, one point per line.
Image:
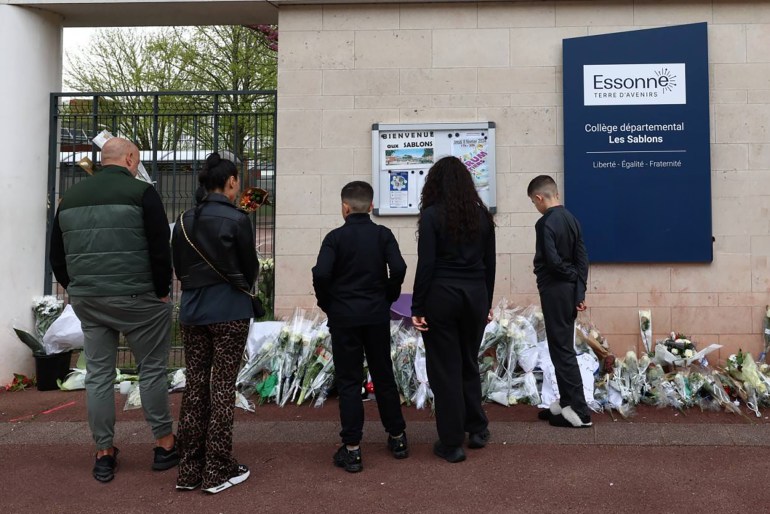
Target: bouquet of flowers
307	357
589	336
249	377
765	334
292	339
253	198
734	364
319	374
422	394
754	388
645	328
19	383
46	310
266	283
714	386
322	383
403	351
679	345
627	383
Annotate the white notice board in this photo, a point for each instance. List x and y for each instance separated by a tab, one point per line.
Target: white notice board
403	154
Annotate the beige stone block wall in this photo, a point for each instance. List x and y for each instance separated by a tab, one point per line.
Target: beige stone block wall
344	67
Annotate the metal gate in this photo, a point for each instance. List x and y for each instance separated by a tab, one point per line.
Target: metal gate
174	131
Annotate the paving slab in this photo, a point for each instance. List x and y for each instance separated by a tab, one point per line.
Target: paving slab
697	435
752	435
544	433
635	434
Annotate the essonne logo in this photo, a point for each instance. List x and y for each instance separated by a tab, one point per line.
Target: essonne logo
634	84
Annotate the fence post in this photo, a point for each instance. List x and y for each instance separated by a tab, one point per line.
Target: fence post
53	157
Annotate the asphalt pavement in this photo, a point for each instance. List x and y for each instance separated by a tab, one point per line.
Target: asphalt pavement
658	461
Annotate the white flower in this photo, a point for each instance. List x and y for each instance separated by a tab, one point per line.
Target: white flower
688	354
504	322
539	316
594	334
675	351
767	311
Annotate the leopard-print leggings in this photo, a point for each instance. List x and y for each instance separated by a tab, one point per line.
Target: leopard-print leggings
212	354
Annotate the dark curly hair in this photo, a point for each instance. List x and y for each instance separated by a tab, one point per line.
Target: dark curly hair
450	188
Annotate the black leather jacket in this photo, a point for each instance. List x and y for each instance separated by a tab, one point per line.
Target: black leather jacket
224	235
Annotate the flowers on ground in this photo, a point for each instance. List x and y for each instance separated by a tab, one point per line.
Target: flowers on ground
515	367
19	383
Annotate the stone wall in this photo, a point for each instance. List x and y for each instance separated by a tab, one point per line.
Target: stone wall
342	68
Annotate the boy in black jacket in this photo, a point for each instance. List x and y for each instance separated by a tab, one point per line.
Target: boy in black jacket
561	267
353	288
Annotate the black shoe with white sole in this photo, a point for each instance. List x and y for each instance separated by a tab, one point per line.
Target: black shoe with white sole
553	410
570	419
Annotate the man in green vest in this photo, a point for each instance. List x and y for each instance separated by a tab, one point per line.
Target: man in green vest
110	251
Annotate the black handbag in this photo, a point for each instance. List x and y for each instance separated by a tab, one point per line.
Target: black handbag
256	303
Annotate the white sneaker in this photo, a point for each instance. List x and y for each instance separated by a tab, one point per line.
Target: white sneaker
241	474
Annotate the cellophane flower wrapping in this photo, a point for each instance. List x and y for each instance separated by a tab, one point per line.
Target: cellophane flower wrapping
765	334
403	351
423	394
253	198
46	309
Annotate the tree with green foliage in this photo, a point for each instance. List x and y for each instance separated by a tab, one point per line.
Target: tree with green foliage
213	58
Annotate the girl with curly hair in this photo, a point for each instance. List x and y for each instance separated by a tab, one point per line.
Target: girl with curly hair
452	300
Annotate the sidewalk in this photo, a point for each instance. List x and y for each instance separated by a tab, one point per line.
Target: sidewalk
658	461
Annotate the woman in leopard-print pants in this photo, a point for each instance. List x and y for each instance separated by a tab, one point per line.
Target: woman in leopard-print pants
206	423
214	314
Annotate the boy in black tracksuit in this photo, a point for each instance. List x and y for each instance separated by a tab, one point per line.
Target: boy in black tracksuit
353	288
561	267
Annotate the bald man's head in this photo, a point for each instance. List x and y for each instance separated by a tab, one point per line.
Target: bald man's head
121	152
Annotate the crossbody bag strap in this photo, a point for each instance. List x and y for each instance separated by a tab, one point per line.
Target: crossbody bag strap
184	231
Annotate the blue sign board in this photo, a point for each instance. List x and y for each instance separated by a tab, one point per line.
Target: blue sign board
637	167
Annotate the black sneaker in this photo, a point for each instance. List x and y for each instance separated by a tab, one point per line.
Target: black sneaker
240	474
105	467
478	439
165	459
348	459
398	446
449	453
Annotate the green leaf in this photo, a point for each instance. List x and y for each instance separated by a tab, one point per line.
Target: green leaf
31	341
81	364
